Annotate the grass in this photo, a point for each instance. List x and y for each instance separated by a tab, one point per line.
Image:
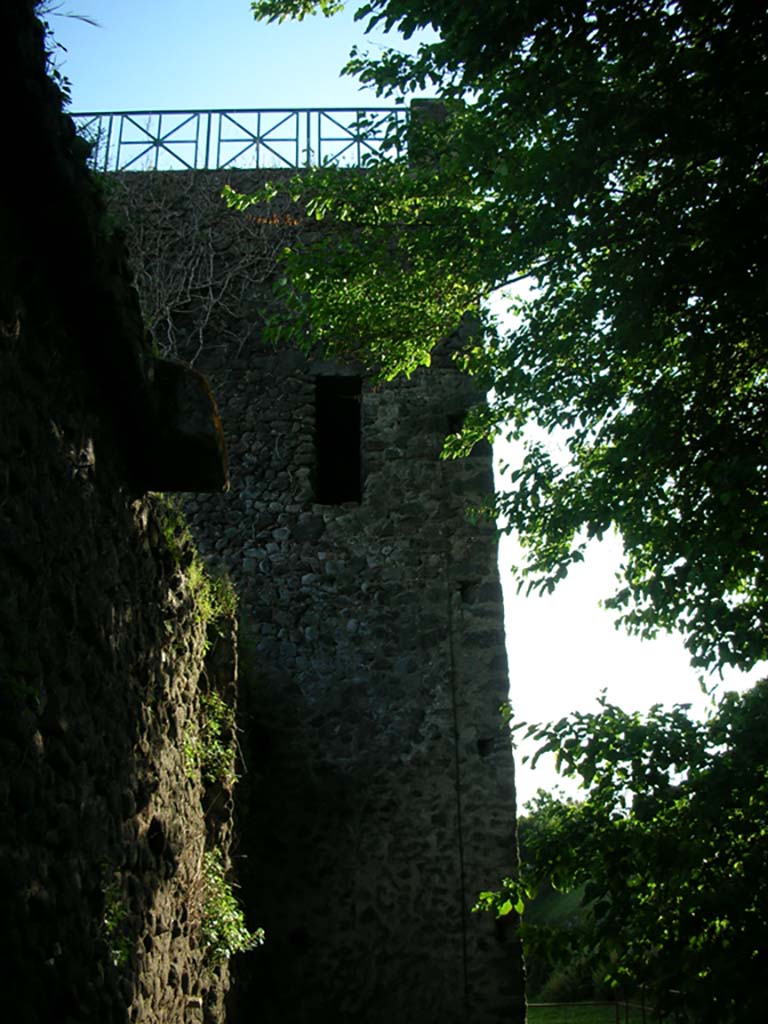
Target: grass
574	1014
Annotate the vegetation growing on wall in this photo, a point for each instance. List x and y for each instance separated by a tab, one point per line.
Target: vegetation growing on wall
210	745
211	748
223	926
116	911
214	597
192	288
54	50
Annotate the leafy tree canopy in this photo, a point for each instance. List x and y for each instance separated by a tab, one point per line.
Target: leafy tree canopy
670	850
611	154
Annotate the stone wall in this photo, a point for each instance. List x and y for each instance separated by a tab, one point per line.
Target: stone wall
380	780
106	669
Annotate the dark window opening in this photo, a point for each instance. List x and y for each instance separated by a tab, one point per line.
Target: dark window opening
456	421
338	440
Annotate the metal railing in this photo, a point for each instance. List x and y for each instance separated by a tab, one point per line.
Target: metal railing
145	140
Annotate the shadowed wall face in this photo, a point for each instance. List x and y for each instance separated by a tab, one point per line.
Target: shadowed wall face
102	667
103	822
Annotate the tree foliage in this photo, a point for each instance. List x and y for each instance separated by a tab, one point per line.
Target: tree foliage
670	850
611	154
285	10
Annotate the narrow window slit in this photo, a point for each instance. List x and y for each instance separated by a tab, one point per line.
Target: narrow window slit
338	439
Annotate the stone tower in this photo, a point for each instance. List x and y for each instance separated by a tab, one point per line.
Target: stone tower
379	779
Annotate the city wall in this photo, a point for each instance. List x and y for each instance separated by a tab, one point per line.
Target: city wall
381	793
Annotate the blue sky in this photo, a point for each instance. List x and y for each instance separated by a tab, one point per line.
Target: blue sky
167	54
199	54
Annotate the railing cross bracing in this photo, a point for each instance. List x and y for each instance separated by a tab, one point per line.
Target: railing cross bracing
146	140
